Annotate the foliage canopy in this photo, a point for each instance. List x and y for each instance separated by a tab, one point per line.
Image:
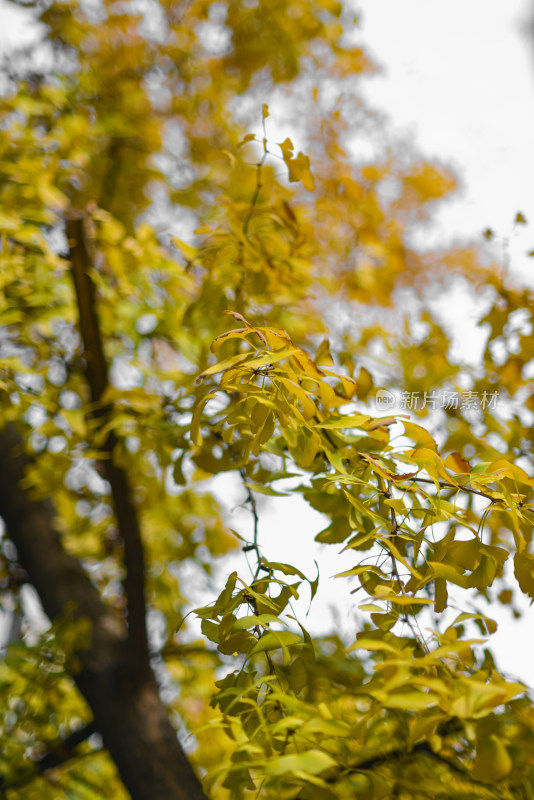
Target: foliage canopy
182	298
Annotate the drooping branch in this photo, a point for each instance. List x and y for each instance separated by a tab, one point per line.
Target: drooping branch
125	511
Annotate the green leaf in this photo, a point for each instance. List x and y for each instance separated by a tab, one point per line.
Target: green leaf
337	423
338	530
410	700
524	572
286	569
196	437
448	573
275	640
492	761
239	642
312	762
244	623
440	595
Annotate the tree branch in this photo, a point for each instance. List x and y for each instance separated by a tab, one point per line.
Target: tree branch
125	511
58	754
422	748
446	485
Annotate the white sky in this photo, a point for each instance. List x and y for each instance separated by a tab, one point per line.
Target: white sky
459	78
459	75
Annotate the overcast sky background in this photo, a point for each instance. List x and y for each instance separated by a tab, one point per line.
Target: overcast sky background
459	78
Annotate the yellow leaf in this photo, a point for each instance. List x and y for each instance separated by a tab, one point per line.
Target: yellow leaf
503	468
299	170
221	366
188	252
196	436
430	461
492	761
419	435
364	383
299	166
51	195
311	762
524	572
287	149
250	137
448	573
324	356
457	463
412	700
440	595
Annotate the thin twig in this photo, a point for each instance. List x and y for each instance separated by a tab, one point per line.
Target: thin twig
259	184
445	485
394	531
251	500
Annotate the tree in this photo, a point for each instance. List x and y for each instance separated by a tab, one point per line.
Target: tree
105	494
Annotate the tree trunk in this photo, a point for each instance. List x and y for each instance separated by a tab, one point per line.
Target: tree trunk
129	714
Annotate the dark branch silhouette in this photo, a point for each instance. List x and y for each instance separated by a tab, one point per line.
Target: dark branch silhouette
125	511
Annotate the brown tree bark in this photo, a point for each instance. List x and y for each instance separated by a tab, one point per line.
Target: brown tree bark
128	712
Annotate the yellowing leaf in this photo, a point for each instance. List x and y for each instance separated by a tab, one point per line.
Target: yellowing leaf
51	195
410	700
222	366
440	595
448	573
312	762
364	383
419	435
250	137
503	468
405	600
524	572
275	640
188	252
299	166
299	170
373	644
337	423
309	408
492	761
457	463
323	355
430	461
